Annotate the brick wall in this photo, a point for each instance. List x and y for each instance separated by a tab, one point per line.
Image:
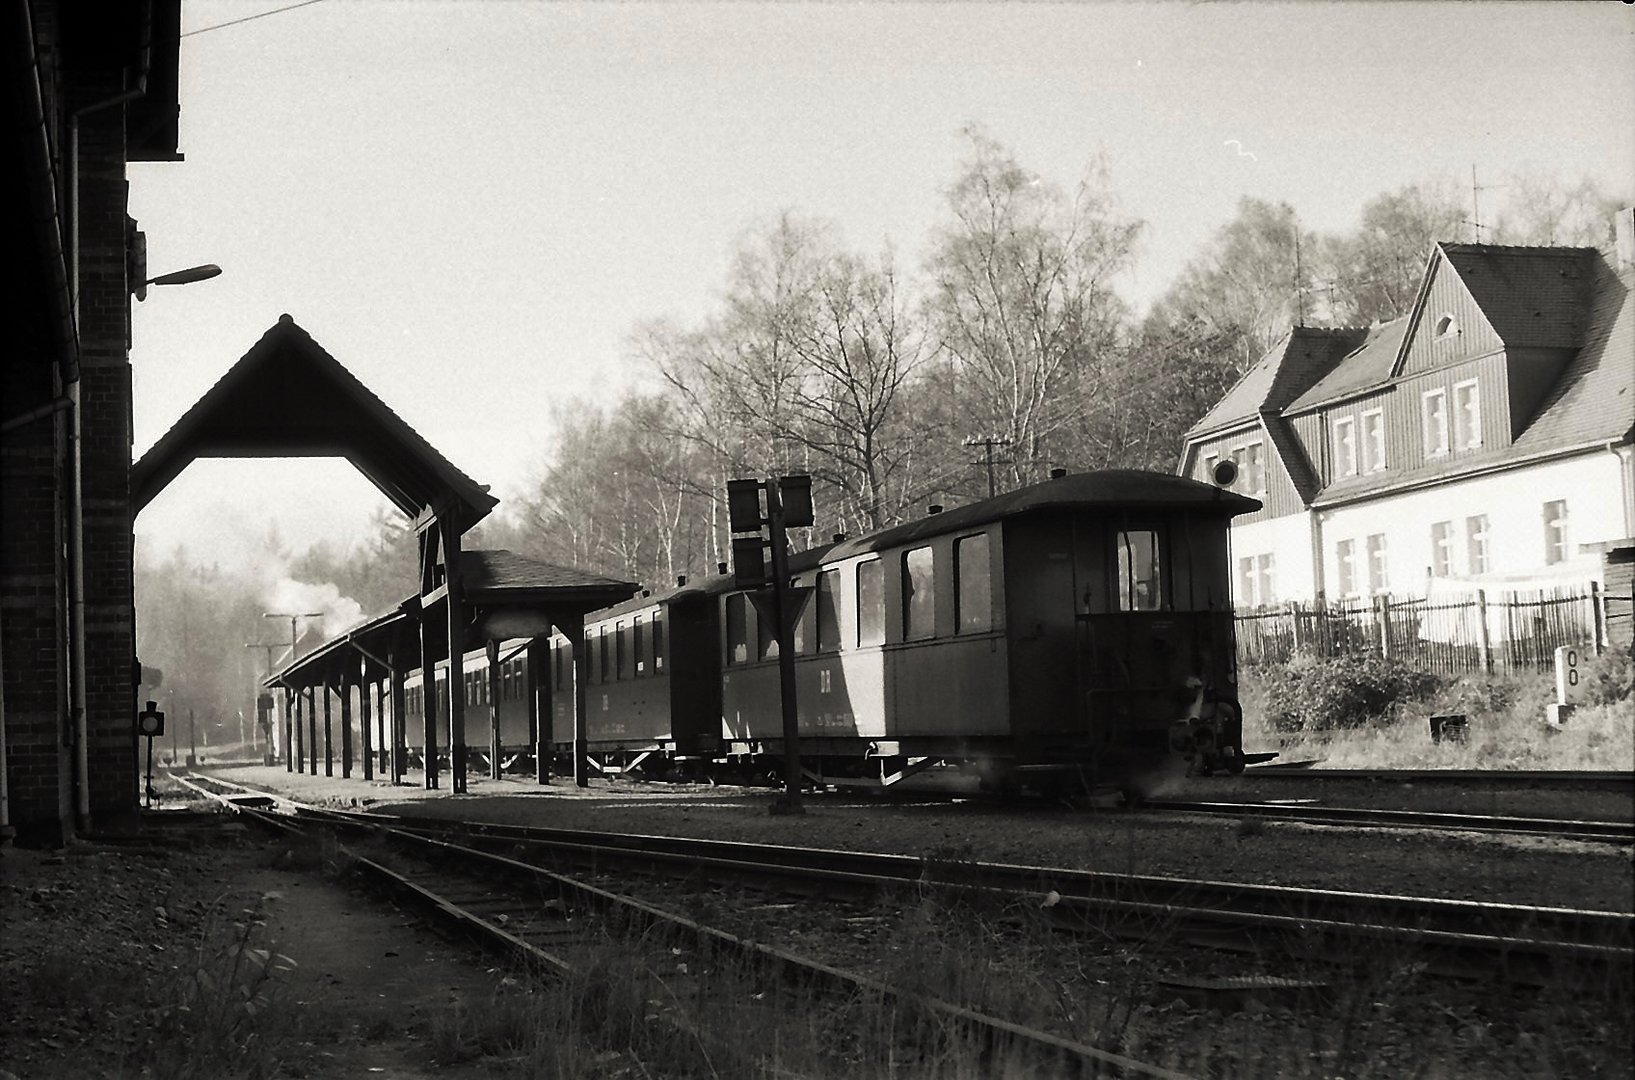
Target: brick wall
105	394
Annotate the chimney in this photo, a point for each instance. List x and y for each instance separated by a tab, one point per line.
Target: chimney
720	568
646	593
934	508
681	580
1057	473
838	537
1623	239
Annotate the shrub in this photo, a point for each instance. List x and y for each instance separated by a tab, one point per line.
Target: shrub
1311	694
1608	679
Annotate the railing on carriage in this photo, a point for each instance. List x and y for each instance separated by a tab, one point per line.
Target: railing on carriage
1450	631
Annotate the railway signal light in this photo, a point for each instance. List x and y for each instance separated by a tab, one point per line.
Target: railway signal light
749	569
744	506
795	496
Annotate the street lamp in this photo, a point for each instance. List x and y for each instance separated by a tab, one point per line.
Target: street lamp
178	277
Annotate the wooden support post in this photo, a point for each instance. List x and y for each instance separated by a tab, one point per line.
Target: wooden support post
494	685
329	725
365	734
455	612
573	628
400	733
1483	636
539	707
346	729
312	730
1382	605
288	746
1598	614
428	700
300	732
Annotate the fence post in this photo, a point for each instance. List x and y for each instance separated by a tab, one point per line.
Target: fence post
1294	624
1383	603
1487	641
1598	614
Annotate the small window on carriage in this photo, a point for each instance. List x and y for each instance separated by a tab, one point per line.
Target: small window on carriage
973	592
658	645
1140	587
871	603
603	653
737	629
766	638
638	644
919	595
621	650
828	611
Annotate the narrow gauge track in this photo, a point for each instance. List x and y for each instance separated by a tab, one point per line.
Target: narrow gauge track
1582	780
1459	938
1618	832
501	907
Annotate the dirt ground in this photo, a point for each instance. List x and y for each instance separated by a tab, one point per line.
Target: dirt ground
103	945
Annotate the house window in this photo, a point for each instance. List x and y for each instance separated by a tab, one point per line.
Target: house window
1206	470
1139	586
1251	469
1434	422
828	611
1476	543
1467	416
919	595
1373	440
1555	531
1378	579
1345	562
737	629
1442	549
871	603
1447	326
1345	447
1256	579
973	596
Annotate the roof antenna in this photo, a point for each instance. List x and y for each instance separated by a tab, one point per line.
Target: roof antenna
1475	208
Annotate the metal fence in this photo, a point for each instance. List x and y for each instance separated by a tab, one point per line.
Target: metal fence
1482	631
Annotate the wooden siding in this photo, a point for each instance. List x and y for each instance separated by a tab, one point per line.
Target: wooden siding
1448	296
1280	498
1323	432
1404	439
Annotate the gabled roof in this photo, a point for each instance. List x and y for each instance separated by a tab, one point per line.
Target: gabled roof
1367	366
1305	354
1594	399
491	574
1534	297
287	397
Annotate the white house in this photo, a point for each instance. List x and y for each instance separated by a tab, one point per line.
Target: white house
1488	436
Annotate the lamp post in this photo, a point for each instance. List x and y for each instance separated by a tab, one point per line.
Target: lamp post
294	618
178	277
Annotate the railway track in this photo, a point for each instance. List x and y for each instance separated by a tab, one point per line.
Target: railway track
556	923
1524	944
1618	832
1581	780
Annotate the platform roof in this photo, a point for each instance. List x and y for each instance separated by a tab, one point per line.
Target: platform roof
496	582
288	397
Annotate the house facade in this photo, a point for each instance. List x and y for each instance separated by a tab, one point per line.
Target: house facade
1486	438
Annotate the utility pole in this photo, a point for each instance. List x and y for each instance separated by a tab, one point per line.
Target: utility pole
988	442
255	692
294	618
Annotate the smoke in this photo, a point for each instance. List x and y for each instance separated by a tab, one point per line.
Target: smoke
338	613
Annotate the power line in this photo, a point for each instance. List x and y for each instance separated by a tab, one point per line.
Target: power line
251	18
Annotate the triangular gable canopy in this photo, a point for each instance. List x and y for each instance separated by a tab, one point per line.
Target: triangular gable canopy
287	397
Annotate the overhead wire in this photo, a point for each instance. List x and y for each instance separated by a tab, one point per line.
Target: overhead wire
251	18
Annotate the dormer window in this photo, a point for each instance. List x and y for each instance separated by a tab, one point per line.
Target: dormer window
1446	327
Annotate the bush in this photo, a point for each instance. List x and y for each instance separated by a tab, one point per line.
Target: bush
1609	679
1312	694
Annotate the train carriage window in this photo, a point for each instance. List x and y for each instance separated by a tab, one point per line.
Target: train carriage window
871	603
973	588
604	653
638	644
737	629
658	645
919	595
827	601
621	650
1140	587
766	637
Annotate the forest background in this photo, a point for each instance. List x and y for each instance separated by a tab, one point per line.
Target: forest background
1006	352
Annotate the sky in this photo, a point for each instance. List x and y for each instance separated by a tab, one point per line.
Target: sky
471	204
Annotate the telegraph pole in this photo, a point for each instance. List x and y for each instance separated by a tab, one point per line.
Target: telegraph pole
988	442
256	693
294	618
